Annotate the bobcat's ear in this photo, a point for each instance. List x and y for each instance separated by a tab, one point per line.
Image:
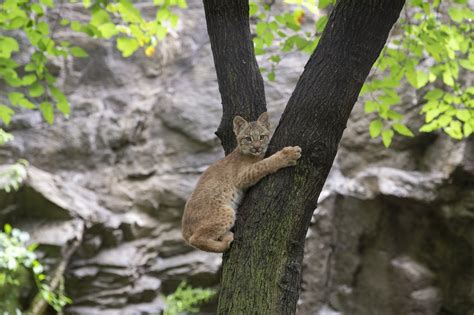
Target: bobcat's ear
239	123
263	119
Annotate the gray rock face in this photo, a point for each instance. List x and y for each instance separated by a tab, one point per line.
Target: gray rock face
393	232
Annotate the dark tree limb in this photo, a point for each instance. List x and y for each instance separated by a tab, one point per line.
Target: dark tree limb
240	81
262	270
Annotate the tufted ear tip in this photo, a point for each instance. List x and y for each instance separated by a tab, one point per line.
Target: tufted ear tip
264	120
239	122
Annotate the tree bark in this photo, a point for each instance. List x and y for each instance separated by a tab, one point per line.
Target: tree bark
240	81
262	270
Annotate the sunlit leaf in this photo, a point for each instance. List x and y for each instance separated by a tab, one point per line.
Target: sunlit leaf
47	110
387	136
375	128
78	52
6	114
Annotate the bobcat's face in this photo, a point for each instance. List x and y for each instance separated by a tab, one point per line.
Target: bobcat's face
252	137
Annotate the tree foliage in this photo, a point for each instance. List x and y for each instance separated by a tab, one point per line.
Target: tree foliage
186	299
17	262
32	84
430	48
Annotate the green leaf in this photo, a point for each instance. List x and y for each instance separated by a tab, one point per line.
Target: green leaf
108	30
162	14
76	26
403	130
324	3
321	23
454	130
463	115
43	28
422	78
253	8
467	130
268	38
15	97
78	52
434	94
64	108
371	106
36	90
99	17
6	114
387	136
432	114
62	103
260	28
444	120
375	128
7	228
275	58
429	127
467	64
30	67
456	14
393	115
271	76
300	42
47	110
7	46
25	103
28	79
174	18
57	94
36	8
48	3
411	77
127	45
448	78
182	4
17	22
161	32
416	78
390	98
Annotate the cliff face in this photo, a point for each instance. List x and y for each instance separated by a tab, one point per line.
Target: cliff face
393	234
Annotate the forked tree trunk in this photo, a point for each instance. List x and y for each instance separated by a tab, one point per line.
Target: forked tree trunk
262	270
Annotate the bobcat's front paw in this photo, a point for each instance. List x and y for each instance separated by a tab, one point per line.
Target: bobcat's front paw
290	155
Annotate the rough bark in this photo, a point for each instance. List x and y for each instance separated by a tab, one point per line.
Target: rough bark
240	81
262	270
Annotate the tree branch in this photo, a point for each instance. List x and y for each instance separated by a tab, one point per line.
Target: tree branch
240	81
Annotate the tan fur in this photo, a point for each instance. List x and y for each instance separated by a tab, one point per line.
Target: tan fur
210	211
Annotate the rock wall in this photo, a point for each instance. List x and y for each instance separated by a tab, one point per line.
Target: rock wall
393	234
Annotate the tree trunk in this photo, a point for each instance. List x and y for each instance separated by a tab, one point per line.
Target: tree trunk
240	81
262	270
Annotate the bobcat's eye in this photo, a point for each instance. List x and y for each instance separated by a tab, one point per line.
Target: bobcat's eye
262	137
248	139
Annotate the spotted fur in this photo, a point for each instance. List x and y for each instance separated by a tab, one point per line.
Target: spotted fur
209	214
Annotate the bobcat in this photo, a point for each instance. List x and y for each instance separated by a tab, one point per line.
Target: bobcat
209	213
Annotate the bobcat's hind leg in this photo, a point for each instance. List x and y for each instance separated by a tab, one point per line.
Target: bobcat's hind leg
209	245
216	236
228	237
